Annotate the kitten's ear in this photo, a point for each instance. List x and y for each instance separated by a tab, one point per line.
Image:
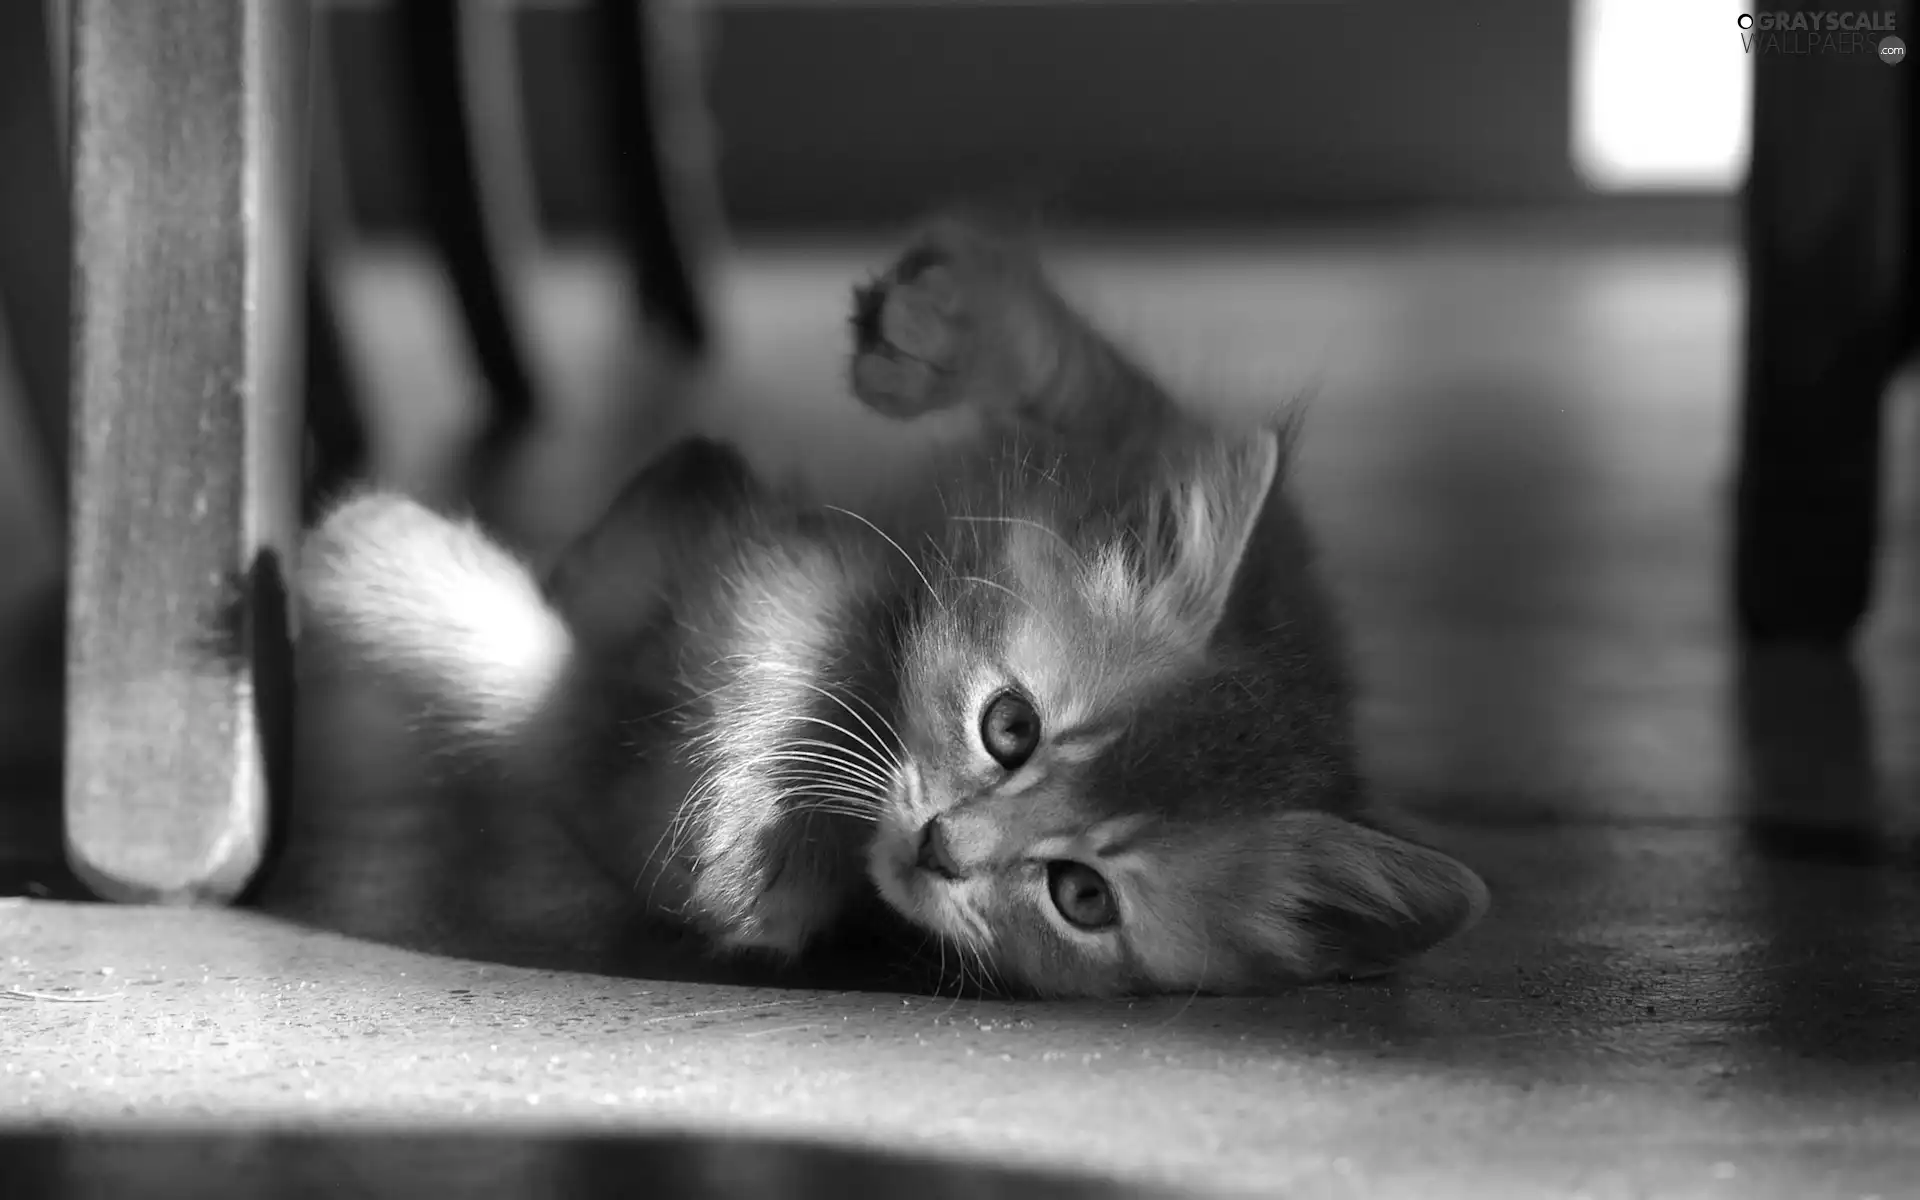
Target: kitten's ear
1196	525
1361	901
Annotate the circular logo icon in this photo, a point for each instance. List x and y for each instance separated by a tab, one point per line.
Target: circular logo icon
1892	50
1745	21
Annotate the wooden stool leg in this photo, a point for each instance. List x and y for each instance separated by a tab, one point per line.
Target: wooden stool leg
1827	223
187	125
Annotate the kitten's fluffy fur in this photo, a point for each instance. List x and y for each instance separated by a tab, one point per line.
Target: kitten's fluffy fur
793	706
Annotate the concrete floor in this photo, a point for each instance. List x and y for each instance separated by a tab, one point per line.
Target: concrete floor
1699	978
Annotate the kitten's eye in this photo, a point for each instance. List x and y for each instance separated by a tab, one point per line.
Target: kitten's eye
1010	729
1082	897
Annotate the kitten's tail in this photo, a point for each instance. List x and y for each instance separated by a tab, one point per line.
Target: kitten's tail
394	592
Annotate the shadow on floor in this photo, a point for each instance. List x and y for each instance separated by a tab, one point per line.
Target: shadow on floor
215	1166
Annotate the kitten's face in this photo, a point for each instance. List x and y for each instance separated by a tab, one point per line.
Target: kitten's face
994	837
1091	801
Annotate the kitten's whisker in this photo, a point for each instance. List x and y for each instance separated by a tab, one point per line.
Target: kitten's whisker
990	979
880	744
801	789
808	776
646	865
846	770
797	769
983	972
873	710
830	807
964	985
919	954
896	545
940	976
804	775
671	836
978	929
878	769
959	976
880	747
974	980
815	795
832	756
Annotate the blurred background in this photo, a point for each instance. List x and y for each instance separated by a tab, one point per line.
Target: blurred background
1169	114
783	122
797	120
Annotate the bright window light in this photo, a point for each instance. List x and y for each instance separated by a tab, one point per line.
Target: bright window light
1660	94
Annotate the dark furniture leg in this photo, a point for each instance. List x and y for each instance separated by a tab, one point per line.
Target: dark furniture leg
338	437
1827	234
35	232
653	114
187	127
336	427
465	194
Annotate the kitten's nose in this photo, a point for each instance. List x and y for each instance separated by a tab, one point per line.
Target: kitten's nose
934	855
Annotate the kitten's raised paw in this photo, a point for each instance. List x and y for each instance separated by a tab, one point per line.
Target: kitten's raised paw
910	337
956	318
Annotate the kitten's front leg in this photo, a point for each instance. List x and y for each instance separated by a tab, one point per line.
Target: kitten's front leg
791	761
966	316
778	878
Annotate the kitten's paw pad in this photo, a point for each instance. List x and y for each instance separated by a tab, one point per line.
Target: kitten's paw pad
911	336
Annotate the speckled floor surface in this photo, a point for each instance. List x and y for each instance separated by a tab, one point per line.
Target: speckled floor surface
1701	975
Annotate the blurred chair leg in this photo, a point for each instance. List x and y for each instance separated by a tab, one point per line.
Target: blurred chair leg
187	124
458	56
337	439
1827	225
35	230
337	435
655	118
35	239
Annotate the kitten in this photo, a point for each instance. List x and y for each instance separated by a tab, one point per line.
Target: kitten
1073	701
